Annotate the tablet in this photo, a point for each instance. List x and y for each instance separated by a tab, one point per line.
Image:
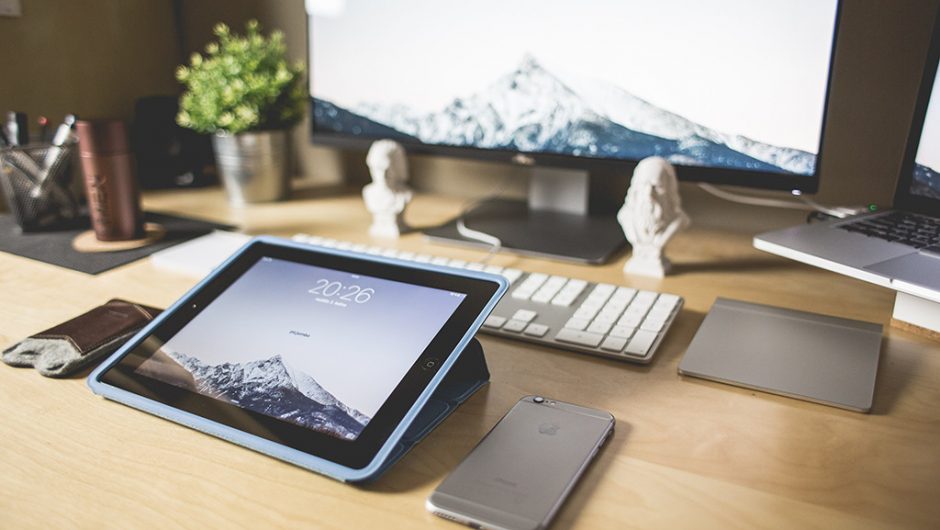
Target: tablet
315	356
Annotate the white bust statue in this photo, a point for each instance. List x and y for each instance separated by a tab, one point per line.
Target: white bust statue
651	215
387	196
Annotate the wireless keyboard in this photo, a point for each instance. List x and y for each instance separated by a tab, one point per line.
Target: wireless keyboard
595	318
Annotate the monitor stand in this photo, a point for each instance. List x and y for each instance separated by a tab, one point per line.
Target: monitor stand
556	222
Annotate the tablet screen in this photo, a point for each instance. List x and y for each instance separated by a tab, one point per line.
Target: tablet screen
320	348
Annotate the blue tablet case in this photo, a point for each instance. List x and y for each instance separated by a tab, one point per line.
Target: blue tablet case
457	379
467	376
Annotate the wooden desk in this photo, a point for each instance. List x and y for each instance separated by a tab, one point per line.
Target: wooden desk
687	453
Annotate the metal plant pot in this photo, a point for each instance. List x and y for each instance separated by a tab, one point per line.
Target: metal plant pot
253	165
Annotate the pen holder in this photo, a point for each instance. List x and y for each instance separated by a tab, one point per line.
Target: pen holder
35	181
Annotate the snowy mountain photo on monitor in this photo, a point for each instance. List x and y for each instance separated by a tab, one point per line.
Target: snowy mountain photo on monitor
532	109
270	386
725	84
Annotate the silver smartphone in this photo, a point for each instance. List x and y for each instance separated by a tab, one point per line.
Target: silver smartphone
521	472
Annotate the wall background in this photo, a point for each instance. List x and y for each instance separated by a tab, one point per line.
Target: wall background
95	57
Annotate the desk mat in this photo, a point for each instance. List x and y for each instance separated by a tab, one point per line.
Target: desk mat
56	247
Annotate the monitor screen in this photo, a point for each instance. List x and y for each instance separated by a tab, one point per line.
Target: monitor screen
728	85
926	182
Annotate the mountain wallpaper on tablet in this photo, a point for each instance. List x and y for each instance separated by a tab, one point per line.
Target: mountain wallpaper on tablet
320	348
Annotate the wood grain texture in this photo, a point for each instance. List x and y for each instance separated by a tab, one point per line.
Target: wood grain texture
687	453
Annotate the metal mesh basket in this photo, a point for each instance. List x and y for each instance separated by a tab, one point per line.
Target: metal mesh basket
35	181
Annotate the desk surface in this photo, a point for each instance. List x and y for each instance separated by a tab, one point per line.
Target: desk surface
687	453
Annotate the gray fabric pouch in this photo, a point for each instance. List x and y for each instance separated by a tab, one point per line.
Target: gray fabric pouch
66	348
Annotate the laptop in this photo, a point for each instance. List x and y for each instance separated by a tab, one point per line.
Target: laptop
897	248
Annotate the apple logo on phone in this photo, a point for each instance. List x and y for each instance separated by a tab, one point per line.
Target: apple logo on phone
549	428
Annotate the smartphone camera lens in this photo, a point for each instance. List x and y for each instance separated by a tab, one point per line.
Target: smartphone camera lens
538	399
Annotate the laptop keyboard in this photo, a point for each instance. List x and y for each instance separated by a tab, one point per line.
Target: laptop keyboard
572	314
918	231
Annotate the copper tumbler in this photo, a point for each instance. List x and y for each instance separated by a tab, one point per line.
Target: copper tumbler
110	184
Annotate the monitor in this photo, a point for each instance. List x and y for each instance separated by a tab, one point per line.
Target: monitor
729	91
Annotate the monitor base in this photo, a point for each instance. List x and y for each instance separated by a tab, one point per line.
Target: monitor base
593	239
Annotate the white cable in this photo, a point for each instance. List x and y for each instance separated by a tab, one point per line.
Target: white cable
834	212
495	243
753	201
805	203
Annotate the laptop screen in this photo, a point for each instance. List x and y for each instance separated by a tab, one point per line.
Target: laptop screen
926	181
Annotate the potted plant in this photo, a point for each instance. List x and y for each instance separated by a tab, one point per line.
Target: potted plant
247	96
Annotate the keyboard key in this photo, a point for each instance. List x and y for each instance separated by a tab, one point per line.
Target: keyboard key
624	332
582	338
515	325
493	269
520	293
596	299
576	284
525	315
579	324
344	245
606	318
653	324
534	281
375	251
542	297
624	294
512	274
641	342
475	266
600	327
563	300
360	247
605	288
440	261
407	255
494	321
645	297
615	305
546	293
536	330
424	258
457	263
630	319
614	344
666	303
389	253
586	312
593	303
556	282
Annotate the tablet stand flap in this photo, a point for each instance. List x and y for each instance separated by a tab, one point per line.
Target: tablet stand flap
467	376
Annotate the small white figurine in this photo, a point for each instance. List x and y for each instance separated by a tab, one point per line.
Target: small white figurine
651	215
387	196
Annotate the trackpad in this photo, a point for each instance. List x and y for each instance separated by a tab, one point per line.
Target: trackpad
916	268
819	358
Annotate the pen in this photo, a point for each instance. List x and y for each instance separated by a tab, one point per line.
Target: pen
17	128
53	156
11	130
63	131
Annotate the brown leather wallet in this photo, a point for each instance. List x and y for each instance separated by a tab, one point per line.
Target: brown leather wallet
68	347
